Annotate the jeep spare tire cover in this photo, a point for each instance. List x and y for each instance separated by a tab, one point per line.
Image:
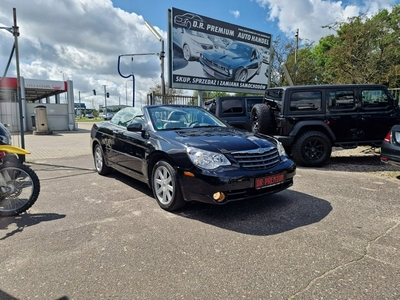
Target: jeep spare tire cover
261	120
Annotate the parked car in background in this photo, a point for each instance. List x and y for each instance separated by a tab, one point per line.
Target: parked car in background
265	53
237	62
191	42
235	110
310	120
89	116
219	42
390	147
109	116
184	153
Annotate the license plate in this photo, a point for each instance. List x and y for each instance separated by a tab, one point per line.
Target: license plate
269	180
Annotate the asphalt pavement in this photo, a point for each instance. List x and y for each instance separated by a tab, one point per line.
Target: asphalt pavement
59	144
334	235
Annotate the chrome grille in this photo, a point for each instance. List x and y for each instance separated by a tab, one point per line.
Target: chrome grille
262	158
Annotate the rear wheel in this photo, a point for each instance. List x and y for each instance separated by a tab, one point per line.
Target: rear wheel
312	149
261	120
99	161
165	186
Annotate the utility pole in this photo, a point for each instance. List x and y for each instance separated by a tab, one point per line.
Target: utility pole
105	100
14	30
162	56
79	92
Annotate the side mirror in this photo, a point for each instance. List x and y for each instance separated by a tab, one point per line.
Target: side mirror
135	127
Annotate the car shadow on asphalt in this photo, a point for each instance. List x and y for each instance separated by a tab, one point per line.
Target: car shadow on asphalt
360	164
263	215
267	215
25	220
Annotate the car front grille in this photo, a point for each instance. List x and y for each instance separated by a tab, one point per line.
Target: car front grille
258	159
215	66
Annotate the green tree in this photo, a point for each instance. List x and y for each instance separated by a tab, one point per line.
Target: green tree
364	50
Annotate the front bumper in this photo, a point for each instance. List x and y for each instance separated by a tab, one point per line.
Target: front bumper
235	184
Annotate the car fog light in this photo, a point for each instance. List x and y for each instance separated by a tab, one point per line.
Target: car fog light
189	174
219	197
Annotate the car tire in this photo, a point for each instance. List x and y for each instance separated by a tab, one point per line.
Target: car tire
241	76
261	119
99	161
165	186
187	54
312	149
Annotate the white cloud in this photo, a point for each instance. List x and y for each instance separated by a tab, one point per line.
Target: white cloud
235	13
82	40
310	15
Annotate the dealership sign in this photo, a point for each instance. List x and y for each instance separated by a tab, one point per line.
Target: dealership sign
207	54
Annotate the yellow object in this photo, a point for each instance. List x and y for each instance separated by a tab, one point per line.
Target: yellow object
13	149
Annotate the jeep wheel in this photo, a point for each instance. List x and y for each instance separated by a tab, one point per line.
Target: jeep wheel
261	121
312	149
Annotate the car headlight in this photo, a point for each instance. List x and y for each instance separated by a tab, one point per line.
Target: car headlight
206	159
281	150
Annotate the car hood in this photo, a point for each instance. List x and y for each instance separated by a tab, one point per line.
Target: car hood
220	139
224	57
200	40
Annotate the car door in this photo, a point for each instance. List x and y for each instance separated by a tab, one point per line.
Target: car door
375	113
129	147
343	114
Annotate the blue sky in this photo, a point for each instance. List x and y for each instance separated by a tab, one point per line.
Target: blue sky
81	40
240	12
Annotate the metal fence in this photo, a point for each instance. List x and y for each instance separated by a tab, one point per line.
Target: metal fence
395	92
174	99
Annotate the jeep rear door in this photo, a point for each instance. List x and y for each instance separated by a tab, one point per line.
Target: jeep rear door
376	112
342	114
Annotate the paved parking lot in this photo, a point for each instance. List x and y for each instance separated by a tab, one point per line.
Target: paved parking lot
334	235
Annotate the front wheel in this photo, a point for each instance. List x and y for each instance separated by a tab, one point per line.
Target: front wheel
99	161
19	189
312	149
241	76
187	54
165	186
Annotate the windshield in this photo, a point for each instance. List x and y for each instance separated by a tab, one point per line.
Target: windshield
165	117
240	48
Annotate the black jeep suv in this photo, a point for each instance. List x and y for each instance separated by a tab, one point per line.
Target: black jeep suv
310	120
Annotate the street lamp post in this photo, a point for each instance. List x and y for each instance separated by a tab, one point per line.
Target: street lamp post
126	91
14	30
162	55
79	92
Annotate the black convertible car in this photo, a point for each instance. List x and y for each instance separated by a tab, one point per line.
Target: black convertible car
185	153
